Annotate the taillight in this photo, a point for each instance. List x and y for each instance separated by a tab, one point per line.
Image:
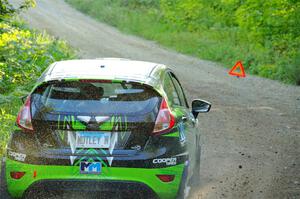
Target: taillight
24	116
166	178
17	174
165	120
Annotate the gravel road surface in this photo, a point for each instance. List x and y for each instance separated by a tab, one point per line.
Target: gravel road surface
251	137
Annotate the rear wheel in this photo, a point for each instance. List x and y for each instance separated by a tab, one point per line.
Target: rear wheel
184	186
3	188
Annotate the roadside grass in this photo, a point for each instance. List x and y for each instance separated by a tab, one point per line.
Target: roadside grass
221	44
25	53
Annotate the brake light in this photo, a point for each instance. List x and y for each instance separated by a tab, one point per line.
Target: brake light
17	174
24	116
166	178
96	81
165	120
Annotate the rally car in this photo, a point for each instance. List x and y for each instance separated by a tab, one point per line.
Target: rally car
112	127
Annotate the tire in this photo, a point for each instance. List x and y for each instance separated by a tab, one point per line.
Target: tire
3	186
186	185
184	188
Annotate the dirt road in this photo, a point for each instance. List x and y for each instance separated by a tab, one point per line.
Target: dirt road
251	137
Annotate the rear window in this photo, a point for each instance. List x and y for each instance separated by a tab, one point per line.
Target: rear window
99	98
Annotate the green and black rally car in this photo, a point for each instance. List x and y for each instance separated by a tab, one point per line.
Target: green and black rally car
111	127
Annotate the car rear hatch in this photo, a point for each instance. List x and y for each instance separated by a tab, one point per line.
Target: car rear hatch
86	117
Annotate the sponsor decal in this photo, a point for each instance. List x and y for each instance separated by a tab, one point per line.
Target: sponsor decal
105	123
91	152
117	125
167	161
17	156
71	122
90	167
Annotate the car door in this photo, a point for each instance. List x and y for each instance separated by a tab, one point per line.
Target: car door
184	117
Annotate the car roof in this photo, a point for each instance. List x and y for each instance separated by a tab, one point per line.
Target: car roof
104	68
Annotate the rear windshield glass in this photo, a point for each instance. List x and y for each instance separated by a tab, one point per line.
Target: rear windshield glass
95	98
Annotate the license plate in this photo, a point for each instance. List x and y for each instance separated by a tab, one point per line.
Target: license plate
92	139
90	167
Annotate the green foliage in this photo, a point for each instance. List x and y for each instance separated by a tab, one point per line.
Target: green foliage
24	54
194	15
7	10
263	34
8	111
269	27
140	3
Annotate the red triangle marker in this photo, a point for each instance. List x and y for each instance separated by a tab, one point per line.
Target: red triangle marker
237	66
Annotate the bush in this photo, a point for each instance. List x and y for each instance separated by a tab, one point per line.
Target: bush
24	54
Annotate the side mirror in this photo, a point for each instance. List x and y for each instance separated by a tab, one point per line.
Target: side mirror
200	106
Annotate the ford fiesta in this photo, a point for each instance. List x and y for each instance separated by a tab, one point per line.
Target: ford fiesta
111	127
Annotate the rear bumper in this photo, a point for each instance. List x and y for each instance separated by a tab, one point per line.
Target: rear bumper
50	177
109	189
